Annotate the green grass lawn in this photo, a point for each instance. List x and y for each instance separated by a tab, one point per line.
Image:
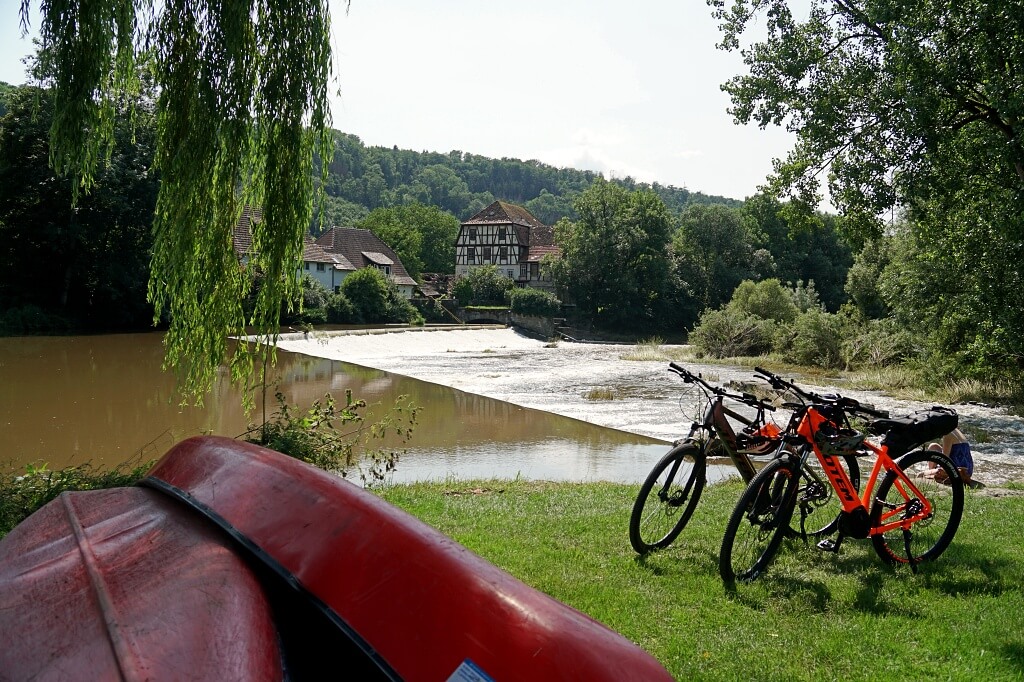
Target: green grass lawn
814	616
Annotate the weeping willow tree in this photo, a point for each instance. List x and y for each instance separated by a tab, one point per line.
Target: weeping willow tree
241	110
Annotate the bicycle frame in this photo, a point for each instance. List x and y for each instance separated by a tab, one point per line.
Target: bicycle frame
852	503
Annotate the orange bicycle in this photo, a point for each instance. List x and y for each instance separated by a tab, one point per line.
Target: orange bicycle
909	515
670	493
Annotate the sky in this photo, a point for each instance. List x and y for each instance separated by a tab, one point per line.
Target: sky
624	89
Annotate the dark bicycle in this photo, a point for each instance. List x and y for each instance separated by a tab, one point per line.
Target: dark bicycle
671	491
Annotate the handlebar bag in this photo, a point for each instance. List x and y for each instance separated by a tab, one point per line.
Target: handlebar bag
903	433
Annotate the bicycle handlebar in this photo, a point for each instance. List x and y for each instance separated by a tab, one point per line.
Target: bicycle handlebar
844	403
745	398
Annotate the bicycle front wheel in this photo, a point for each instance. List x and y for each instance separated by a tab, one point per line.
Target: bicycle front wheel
667	498
939	481
759	522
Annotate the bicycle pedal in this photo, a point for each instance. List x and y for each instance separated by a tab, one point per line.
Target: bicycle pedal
828	545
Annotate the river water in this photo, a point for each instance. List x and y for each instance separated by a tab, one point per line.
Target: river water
647	399
495	403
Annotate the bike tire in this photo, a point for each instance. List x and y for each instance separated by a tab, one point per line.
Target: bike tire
821	496
759	522
931	536
667	498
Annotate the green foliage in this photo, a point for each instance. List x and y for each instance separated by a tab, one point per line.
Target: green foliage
815	339
907	106
31	320
488	284
85	267
862	281
768	300
730	332
614	261
876	343
241	110
333	437
422	236
375	300
462	291
534	302
339	309
376	177
842	69
715	250
23	494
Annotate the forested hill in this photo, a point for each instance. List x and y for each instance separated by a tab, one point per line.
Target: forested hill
364	178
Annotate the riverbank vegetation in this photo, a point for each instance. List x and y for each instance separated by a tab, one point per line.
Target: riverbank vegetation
813	616
22	493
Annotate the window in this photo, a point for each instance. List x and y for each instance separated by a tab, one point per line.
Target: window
320	267
502	234
472	234
534	270
511	274
306	264
523	271
503	252
471	254
487	255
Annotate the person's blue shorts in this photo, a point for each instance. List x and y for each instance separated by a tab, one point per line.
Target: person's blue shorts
960	453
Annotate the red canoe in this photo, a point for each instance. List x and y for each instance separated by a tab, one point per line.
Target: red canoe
237	562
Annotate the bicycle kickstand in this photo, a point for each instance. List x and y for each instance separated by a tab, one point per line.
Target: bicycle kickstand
907	536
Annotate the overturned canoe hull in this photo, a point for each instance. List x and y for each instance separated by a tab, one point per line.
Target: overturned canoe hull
349	584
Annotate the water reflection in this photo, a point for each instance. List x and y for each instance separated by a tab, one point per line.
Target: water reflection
66	400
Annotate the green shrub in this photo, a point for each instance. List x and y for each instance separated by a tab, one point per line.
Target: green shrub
489	285
729	333
876	343
768	300
462	290
815	338
333	437
339	309
534	302
29	320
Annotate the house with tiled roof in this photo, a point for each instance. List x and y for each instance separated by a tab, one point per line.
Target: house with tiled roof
335	255
363	249
509	237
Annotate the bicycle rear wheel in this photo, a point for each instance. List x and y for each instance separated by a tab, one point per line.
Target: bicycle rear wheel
759	522
929	537
667	498
819	498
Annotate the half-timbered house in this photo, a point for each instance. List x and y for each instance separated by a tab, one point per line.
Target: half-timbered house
509	237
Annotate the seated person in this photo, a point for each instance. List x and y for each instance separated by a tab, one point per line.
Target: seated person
955	446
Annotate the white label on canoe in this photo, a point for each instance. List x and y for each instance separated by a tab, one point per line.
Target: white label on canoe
469	672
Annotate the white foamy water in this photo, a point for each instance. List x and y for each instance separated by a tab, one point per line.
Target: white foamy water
648	400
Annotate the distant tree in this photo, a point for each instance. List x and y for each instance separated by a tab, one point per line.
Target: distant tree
241	112
422	236
89	263
715	252
614	260
766	299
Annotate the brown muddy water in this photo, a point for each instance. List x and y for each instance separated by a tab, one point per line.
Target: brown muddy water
493	403
105	400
